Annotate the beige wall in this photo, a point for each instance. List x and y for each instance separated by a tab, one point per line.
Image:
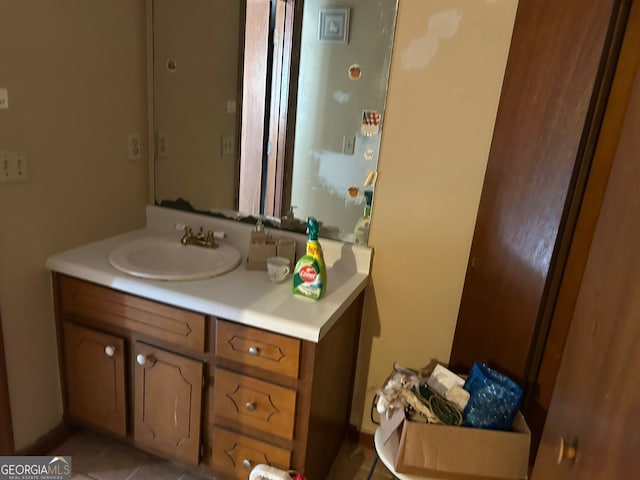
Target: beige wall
446	74
75	73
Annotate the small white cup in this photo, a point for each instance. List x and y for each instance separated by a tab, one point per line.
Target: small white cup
277	268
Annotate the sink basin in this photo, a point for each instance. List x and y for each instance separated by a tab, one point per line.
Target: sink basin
165	258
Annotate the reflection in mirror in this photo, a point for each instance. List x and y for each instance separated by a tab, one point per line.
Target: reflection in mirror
196	47
335	109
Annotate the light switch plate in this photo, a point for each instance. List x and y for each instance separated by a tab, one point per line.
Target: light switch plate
163	145
13	167
348	144
226	144
4	98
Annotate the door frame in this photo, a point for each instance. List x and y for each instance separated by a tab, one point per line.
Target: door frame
7	446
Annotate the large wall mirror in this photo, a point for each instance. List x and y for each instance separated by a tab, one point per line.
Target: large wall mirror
270	108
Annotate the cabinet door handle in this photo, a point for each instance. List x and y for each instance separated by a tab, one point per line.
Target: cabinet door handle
255	351
109	350
566	451
144	359
251	406
246	463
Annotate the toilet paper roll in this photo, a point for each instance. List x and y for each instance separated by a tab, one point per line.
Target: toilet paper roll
267	472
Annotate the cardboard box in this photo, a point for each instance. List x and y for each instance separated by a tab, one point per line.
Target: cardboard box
463	453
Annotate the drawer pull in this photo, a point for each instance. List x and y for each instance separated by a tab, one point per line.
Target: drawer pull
251	406
109	350
255	351
246	463
144	359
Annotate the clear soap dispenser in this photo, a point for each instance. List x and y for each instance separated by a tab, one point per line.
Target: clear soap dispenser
361	231
259	236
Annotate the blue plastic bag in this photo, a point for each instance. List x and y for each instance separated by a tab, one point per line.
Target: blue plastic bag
494	399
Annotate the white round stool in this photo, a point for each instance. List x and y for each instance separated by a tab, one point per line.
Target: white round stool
386	454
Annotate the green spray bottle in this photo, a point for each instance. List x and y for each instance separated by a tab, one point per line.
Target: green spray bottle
310	274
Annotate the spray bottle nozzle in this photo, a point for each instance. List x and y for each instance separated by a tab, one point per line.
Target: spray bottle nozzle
312	228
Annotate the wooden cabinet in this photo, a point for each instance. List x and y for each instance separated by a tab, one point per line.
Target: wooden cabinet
168	399
94	368
208	392
280	400
255	399
109	336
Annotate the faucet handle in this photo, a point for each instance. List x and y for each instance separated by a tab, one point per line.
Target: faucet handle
188	233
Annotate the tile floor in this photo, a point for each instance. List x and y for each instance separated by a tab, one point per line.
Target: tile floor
95	457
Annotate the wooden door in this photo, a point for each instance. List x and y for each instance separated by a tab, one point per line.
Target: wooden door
95	381
279	109
595	402
254	92
6	427
551	74
269	87
557	79
168	402
608	138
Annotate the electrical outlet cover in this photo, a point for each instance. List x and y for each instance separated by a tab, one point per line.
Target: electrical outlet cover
134	147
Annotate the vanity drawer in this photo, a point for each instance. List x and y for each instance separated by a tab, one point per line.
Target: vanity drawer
254	403
93	302
258	348
236	454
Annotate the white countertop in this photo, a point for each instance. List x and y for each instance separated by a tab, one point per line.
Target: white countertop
243	296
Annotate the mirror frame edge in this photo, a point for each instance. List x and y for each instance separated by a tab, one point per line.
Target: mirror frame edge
151	147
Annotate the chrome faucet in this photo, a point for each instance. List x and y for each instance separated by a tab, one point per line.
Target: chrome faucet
200	239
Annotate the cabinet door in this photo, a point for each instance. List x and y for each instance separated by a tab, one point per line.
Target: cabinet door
94	367
168	402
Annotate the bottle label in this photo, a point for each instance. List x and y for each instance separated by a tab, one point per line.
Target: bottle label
308	273
307	279
312	249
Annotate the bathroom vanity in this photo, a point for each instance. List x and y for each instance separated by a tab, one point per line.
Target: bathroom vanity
221	373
